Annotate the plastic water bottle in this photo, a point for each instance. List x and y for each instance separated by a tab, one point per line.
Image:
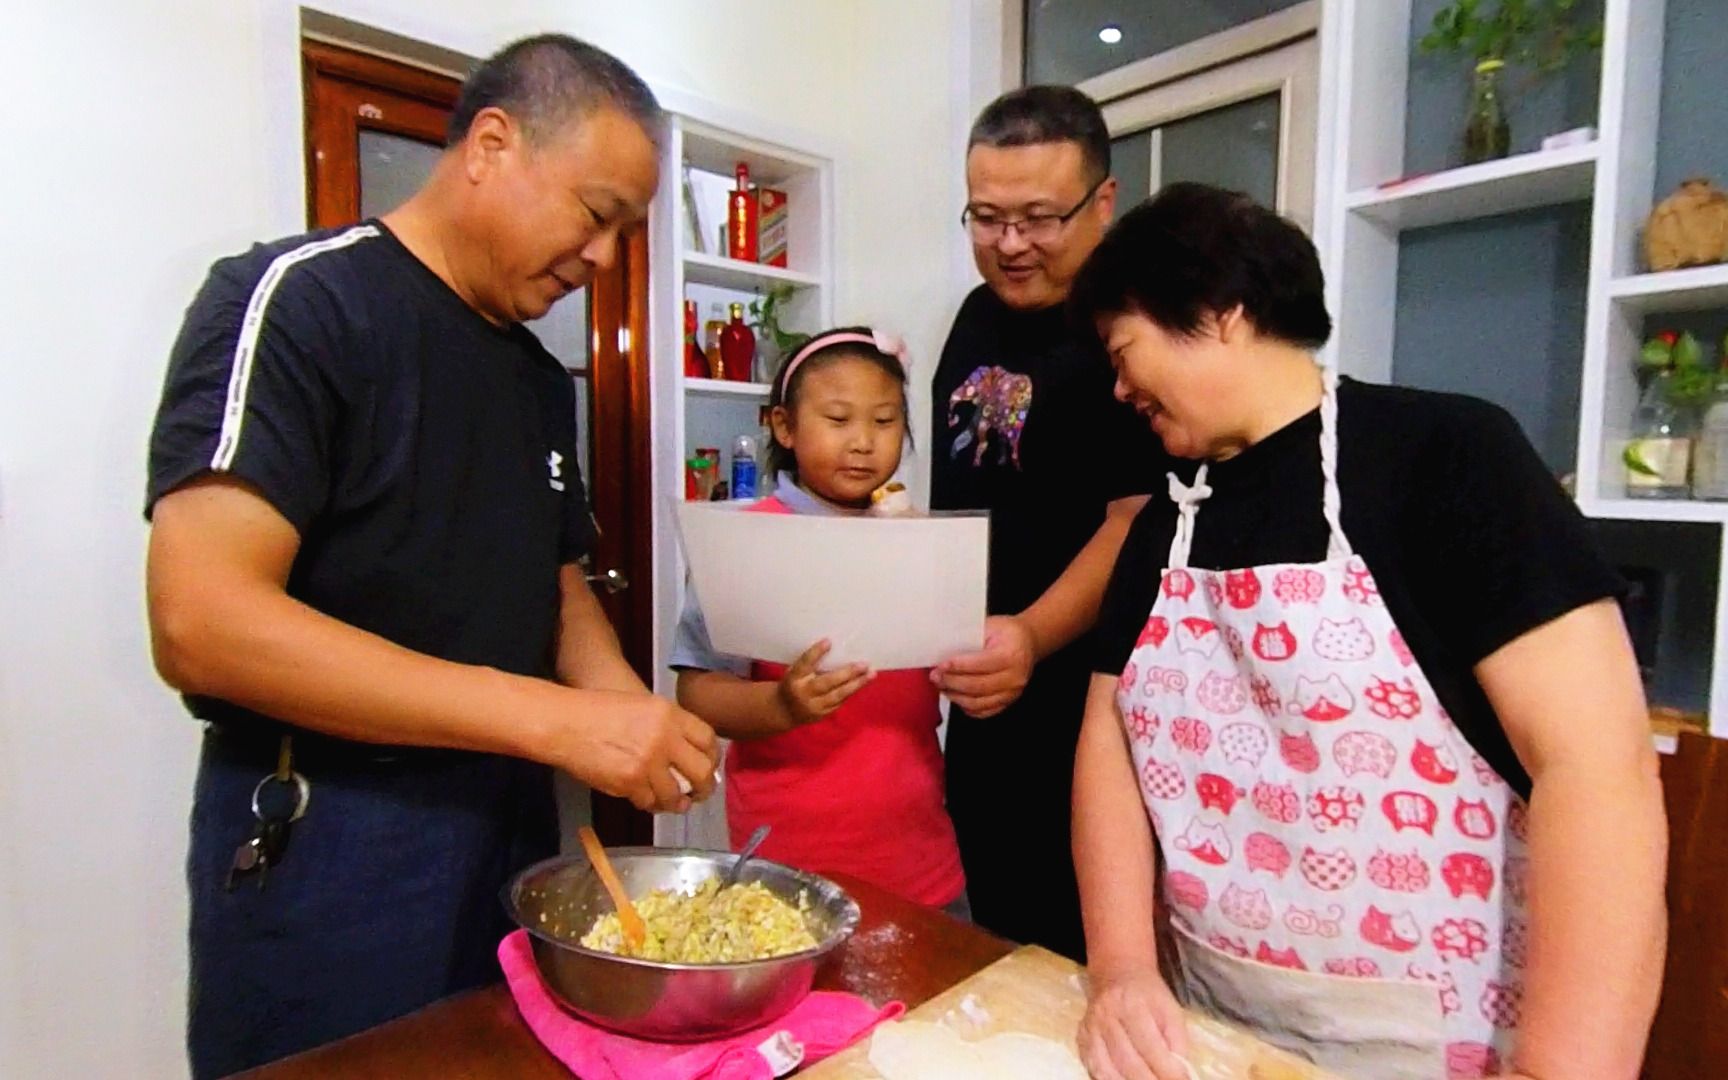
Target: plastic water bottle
744	467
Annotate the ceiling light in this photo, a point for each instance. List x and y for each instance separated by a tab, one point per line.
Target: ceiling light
1110	35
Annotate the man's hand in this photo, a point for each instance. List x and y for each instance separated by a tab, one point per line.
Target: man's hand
806	694
630	747
1134	1029
986	682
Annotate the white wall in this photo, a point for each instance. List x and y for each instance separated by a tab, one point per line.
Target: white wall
144	140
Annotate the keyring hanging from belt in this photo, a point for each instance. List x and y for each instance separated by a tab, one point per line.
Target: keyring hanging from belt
268	841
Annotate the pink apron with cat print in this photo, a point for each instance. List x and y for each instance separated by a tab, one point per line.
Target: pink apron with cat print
1345	874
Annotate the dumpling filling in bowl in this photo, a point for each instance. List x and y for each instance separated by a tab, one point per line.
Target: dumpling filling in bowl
713	925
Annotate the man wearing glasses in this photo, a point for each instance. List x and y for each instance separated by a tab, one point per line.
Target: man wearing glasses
1028	428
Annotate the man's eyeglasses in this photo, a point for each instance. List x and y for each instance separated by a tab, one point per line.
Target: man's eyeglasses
988	227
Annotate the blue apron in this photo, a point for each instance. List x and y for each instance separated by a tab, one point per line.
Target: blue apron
385	900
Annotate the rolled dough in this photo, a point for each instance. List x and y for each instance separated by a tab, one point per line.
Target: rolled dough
914	1050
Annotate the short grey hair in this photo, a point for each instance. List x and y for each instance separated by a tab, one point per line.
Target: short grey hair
1033	115
548	80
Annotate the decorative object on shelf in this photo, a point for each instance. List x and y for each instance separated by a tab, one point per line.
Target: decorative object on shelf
771	227
1541	36
1578	136
695	360
737	348
774	342
692	220
1688	228
741	218
702	474
1710	458
1676	385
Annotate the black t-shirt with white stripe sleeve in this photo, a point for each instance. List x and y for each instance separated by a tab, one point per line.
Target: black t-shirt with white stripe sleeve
426	457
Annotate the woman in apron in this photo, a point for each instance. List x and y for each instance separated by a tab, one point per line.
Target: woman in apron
1366	719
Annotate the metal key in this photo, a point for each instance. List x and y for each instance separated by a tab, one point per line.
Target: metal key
249	858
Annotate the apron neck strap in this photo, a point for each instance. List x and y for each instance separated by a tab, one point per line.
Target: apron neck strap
1188	497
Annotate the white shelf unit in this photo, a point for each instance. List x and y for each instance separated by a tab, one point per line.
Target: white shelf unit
1521	182
687	413
1362	207
726	388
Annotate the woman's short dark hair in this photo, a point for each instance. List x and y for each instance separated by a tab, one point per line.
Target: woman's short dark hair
1193	252
784	393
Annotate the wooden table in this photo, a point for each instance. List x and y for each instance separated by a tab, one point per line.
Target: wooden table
901	951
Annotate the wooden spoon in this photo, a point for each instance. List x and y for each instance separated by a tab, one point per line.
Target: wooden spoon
634	929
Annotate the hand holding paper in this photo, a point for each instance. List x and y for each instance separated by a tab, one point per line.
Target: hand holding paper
807	693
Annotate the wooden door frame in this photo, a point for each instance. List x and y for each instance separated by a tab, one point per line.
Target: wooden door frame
348	92
621	484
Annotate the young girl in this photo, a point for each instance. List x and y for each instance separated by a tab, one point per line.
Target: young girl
843	763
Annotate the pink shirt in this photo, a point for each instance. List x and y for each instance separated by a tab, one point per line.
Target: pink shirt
859	791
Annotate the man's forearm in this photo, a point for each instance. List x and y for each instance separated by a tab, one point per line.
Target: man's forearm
1598	926
257	647
1070	605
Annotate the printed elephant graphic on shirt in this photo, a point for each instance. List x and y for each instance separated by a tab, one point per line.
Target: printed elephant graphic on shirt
1000	400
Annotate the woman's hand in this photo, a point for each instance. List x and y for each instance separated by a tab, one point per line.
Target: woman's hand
806	694
1134	1029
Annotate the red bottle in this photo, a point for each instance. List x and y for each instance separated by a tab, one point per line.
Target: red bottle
737	346
695	360
741	218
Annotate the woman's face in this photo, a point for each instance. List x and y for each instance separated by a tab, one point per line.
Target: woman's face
1184	386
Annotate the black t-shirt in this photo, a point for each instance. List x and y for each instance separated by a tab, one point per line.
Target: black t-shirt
426	457
1470	539
1026	427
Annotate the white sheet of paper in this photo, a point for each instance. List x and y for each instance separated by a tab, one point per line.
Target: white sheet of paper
889	592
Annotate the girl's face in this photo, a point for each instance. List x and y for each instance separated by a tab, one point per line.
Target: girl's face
1186	387
846	427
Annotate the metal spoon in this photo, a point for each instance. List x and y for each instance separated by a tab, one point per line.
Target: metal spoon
737	868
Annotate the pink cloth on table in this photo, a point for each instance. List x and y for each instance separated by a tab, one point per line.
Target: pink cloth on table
824	1022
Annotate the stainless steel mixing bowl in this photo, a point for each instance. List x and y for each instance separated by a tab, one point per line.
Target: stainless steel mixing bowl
557	901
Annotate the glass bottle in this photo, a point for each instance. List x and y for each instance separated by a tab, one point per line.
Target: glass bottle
737	346
1486	134
711	340
695	360
1658	458
741	211
1710	456
744	467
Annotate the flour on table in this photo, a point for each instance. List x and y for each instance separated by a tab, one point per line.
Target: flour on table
912	1050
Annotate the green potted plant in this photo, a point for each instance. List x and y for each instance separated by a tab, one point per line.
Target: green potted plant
774	342
1540	36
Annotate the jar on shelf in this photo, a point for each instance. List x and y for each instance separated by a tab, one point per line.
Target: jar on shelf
1658	457
1710	456
1487	135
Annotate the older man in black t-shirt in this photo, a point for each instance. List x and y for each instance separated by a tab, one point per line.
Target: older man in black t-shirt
1026	427
363	571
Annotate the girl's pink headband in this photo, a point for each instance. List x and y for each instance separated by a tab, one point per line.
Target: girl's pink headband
892	344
